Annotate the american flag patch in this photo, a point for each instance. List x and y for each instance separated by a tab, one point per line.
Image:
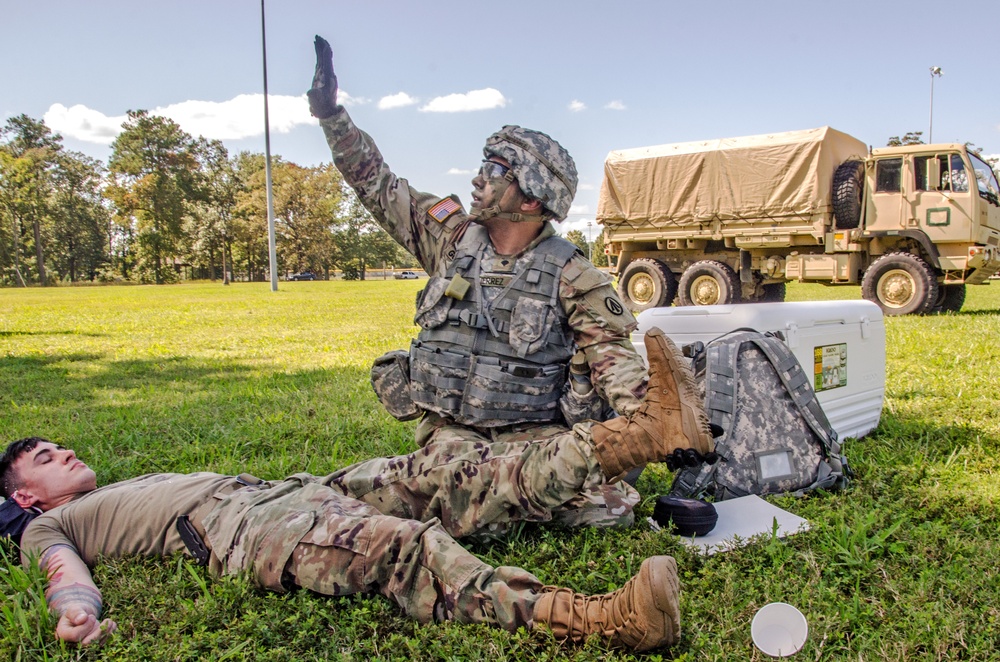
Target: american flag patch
443	209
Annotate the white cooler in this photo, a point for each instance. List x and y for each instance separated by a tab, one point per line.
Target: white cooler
840	343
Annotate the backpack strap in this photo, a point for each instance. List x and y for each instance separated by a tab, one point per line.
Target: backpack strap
794	378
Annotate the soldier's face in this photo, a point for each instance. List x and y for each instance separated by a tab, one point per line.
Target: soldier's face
51	475
489	182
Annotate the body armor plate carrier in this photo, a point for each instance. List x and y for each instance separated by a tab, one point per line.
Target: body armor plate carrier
497	363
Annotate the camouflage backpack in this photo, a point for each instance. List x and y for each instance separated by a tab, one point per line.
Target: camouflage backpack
775	436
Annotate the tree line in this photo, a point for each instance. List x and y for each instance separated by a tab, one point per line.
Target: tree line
168	206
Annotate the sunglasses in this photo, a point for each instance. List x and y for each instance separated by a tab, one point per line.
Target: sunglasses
492	169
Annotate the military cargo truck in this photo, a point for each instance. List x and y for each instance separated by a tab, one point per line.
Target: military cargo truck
733	220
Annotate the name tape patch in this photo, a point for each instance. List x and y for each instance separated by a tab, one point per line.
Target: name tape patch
495	280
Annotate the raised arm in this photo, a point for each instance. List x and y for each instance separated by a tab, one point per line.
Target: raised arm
72	594
402	211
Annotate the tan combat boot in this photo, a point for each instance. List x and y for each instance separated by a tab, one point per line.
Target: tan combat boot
671	416
642	615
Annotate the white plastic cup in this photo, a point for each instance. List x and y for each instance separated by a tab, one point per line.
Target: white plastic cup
779	629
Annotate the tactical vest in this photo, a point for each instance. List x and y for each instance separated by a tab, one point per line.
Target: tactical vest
497	363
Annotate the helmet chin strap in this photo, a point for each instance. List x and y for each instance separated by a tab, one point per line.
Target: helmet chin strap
495	211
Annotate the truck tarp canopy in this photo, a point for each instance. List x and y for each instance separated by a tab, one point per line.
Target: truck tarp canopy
772	176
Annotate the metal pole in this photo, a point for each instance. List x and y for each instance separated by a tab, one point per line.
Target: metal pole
590	245
935	71
272	253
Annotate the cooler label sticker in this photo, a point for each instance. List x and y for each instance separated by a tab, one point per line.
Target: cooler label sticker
829	367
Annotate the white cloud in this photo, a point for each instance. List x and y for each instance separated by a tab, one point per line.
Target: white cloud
579	210
615	105
485	99
239	117
460	171
82	123
576	106
398	100
346	99
585	187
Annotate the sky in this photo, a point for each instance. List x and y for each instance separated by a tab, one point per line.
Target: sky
430	80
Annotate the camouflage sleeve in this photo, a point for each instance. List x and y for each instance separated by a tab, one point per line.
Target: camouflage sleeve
426	225
601	326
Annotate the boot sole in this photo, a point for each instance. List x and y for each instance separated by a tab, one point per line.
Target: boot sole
661	578
694	420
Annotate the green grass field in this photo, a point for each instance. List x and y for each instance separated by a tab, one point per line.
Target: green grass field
901	566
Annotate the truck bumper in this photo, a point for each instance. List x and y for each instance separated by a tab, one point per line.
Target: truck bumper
984	261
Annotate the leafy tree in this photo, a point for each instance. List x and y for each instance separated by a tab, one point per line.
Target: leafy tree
30	151
80	227
247	231
911	138
210	223
305	202
577	238
360	242
154	176
599	258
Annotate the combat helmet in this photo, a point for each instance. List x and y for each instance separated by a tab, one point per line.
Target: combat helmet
543	168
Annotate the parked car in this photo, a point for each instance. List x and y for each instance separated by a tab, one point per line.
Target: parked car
305	275
405	275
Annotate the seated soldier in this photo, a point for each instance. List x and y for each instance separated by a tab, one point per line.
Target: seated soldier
298	533
472	487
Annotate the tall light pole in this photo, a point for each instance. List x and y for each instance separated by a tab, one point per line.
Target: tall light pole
935	72
272	253
590	245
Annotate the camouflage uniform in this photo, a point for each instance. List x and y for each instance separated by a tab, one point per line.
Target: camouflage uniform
299	532
432	228
295	532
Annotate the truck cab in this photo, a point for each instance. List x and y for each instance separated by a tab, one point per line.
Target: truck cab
940	204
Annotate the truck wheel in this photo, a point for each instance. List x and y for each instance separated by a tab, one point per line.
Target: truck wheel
901	284
950	298
848	194
708	282
647	283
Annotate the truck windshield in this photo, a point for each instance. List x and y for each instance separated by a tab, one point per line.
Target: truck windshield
986	179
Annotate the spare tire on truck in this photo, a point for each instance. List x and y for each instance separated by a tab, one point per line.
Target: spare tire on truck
647	283
901	284
848	194
707	283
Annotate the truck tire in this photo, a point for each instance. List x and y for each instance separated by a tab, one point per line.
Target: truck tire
848	194
707	283
901	284
950	298
647	283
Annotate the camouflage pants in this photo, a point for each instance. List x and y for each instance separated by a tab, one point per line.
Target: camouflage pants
417	565
479	482
313	537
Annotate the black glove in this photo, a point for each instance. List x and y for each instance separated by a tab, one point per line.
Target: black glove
689	457
323	95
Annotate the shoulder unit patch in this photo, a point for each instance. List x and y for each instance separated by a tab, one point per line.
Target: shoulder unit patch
443	209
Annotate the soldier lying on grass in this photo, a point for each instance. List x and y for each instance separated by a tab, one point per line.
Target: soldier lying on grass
298	533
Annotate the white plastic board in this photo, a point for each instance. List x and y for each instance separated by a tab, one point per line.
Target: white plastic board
743	519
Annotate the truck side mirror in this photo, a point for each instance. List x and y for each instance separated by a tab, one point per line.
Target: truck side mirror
933	174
